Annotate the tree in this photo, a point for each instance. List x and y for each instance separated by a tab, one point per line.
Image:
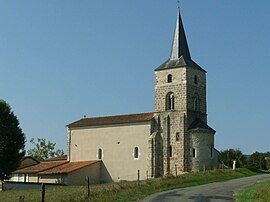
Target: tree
258	161
268	163
229	155
44	149
12	141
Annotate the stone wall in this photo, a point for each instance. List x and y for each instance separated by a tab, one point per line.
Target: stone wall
185	90
202	141
196	91
177	86
172	122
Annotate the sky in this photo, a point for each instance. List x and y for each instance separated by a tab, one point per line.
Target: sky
61	60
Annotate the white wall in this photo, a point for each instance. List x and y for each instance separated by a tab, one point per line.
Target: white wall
118	143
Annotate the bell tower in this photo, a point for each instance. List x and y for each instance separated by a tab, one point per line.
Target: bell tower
180	104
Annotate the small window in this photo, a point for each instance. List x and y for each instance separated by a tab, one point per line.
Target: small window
100	153
194	153
177	136
136	152
170	151
196	79
169	78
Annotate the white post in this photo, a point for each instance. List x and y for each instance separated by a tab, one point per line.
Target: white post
234	164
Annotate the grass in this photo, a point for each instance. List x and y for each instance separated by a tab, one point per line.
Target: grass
126	191
257	192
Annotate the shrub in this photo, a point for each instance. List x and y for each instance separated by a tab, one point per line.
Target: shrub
229	155
258	161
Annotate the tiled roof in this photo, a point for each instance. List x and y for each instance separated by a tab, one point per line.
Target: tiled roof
68	167
42	166
199	124
58	158
107	120
27	161
180	55
177	63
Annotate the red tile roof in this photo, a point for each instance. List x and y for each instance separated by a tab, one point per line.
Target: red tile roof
68	167
107	120
42	166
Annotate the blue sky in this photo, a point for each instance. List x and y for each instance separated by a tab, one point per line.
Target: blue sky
60	60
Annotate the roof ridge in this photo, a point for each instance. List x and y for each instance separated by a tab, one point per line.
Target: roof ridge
105	116
115	119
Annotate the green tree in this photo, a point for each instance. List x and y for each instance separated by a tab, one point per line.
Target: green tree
12	141
44	149
229	155
257	161
268	163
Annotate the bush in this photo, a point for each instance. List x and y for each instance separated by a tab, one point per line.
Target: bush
268	163
258	161
229	155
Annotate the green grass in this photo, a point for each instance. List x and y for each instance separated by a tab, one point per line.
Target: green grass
257	192
126	191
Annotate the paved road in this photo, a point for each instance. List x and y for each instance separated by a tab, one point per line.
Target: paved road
219	191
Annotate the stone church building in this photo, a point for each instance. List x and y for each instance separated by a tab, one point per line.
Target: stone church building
173	139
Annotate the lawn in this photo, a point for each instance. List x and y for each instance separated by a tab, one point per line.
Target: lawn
257	192
126	191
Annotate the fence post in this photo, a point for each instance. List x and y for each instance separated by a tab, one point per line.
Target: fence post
203	167
42	192
88	186
175	170
147	175
138	180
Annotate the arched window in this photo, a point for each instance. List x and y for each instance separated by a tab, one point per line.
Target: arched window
169	78
196	79
100	153
170	101
136	152
170	151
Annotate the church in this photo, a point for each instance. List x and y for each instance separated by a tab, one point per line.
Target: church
173	139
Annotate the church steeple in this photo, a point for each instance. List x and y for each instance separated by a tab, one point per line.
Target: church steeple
180	45
180	55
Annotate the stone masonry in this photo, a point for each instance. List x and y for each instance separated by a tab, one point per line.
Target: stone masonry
183	130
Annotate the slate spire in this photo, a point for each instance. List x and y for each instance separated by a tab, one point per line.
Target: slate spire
180	45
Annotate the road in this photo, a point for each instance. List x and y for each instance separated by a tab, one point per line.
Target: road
218	191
